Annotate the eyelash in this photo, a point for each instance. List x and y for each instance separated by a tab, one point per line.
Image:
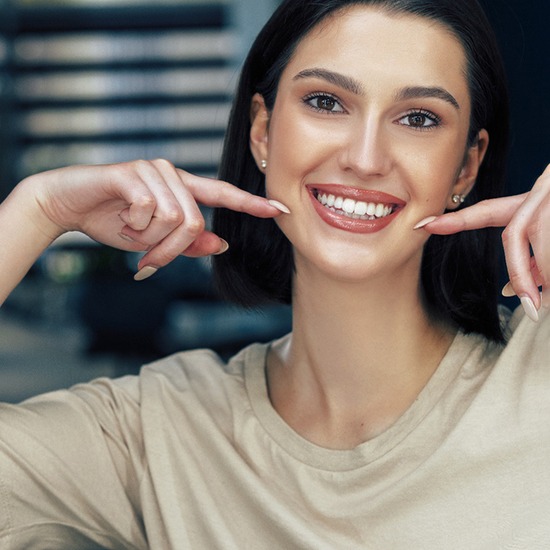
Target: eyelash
322	95
435	119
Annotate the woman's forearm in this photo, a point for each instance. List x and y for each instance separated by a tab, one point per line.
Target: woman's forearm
25	233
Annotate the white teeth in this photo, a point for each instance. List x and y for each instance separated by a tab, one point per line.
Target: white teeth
360	208
348	206
355	209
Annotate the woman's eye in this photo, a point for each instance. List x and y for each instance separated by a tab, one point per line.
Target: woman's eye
324	103
420	120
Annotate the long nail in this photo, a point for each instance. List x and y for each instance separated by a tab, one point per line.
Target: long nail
279	206
508	291
425	222
223	248
529	308
145	273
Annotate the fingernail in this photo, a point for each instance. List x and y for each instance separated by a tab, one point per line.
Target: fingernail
126	238
425	222
145	273
508	291
223	248
279	206
529	308
545	298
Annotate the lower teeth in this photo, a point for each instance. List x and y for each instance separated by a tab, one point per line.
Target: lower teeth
353	215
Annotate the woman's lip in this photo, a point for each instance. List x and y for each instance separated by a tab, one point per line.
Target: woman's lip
365	195
354	225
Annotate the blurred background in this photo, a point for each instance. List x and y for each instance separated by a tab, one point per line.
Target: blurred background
99	81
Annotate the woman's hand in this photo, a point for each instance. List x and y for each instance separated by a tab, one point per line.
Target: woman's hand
142	206
526	219
148	206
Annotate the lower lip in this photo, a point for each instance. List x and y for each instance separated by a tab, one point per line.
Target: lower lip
353	225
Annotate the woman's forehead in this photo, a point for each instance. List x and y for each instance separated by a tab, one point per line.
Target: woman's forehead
370	42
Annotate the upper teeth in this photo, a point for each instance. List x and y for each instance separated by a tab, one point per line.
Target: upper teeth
355	209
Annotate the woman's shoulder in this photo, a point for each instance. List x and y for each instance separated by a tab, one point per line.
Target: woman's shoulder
192	365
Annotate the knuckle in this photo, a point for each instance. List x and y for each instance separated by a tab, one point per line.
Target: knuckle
195	226
173	216
141	164
162	163
123	172
505	236
145	200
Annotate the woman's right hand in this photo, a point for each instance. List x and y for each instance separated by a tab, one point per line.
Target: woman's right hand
140	206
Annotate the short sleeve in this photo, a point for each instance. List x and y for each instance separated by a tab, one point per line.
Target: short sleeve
71	462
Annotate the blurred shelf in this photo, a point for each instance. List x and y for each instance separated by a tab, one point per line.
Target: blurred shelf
109	82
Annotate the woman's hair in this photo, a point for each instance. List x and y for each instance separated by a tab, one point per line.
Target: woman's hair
459	272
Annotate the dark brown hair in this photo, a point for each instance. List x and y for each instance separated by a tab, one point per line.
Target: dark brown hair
459	272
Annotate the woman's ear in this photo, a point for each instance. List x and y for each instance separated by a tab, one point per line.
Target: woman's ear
468	173
259	119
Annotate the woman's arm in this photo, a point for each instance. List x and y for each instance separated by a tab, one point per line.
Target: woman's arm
148	206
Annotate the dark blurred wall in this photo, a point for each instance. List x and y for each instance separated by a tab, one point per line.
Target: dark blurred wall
522	28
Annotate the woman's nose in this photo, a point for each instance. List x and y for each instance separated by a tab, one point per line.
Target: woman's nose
367	151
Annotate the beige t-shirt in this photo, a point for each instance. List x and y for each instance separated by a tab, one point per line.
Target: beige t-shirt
191	454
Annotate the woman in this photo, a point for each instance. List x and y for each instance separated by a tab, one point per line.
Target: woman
394	415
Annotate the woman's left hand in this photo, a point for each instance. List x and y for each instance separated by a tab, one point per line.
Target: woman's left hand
526	219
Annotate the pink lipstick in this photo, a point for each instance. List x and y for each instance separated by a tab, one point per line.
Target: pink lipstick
352	209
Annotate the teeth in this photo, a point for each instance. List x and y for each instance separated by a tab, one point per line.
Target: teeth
360	208
355	209
348	206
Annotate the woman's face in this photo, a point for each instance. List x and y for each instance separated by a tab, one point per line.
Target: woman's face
367	137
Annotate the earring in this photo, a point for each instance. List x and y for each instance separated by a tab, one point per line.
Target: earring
263	163
458	199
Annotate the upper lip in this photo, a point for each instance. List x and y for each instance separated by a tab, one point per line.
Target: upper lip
365	195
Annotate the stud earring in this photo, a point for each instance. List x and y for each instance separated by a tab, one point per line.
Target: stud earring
263	163
458	199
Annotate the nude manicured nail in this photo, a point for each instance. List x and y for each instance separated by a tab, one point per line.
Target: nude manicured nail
425	222
508	291
223	248
279	206
126	238
529	308
145	273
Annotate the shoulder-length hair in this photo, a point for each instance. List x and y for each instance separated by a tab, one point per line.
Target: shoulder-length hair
459	272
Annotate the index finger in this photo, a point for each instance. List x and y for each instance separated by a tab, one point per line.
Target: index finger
221	194
487	213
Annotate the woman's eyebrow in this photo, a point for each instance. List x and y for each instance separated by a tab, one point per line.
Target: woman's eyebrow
340	80
416	92
351	85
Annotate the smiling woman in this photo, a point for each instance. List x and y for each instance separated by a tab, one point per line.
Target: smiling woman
401	68
404	410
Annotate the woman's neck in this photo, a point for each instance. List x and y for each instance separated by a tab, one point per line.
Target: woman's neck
358	358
